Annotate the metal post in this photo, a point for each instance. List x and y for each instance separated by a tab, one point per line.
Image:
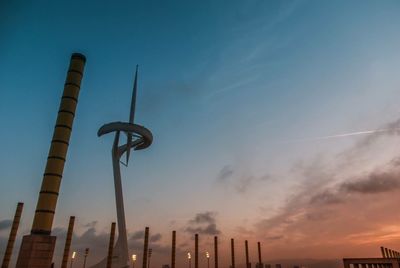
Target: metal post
233	252
196	251
68	242
383	252
72	258
246	245
145	247
84	259
386	253
150	252
13	234
111	246
173	249
215	252
259	255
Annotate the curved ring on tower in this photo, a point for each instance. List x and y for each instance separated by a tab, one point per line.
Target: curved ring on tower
143	135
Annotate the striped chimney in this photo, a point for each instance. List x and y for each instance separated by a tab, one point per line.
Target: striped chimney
13	234
46	205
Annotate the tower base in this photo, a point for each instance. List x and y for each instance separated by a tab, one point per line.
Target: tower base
36	251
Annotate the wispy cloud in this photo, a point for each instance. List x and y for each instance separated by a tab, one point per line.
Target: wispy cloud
335	208
245	58
5	224
241	182
203	223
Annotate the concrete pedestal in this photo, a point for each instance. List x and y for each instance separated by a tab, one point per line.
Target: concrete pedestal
36	251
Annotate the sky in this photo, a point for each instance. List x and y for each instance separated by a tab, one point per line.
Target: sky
244	100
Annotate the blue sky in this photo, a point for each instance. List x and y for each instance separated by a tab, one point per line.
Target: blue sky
224	87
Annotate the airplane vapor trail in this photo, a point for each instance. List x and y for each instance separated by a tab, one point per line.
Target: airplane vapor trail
365	132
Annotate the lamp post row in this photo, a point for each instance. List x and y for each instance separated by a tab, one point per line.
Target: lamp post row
189	255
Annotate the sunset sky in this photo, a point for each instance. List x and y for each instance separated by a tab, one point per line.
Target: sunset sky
244	100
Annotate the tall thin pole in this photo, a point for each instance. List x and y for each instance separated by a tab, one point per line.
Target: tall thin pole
145	246
391	253
150	252
111	246
68	242
259	254
247	254
13	234
72	258
383	252
215	252
196	251
233	252
85	257
173	249
386	253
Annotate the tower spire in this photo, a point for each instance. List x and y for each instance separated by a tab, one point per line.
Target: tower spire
131	116
133	102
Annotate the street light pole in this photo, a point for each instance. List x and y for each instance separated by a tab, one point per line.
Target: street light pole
208	259
133	260
190	259
150	251
86	254
72	258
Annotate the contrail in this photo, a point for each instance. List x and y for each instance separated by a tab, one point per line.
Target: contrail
365	132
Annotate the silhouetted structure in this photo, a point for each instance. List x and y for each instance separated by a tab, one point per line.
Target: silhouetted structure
173	249
145	247
85	257
38	247
13	234
68	240
196	251
148	262
370	262
260	264
390	258
232	253
246	245
215	251
111	246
